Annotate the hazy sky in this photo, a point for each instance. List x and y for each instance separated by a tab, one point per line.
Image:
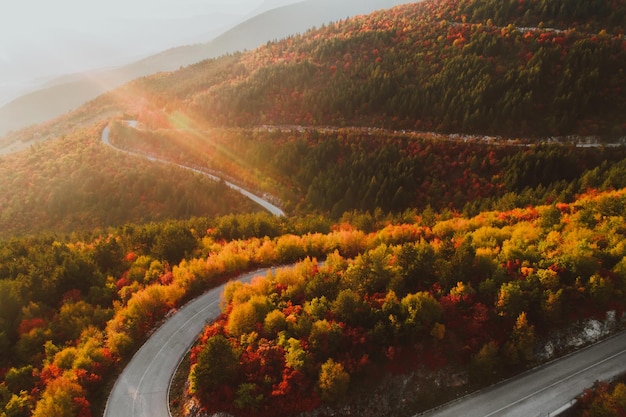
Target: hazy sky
25	15
40	39
24	22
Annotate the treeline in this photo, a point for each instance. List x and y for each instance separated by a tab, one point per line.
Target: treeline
75	183
367	170
418	66
471	297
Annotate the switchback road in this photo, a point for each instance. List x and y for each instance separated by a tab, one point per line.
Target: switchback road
142	388
276	211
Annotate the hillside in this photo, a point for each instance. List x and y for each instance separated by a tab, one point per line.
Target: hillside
65	94
359	71
428	66
333	171
419	314
75	183
469	299
450	260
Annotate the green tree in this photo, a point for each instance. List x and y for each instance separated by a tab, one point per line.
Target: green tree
173	243
295	356
420	311
20	379
217	364
108	255
245	317
325	338
372	271
317	308
73	318
19	405
248	397
552	306
510	301
550	218
350	308
463	259
274	322
10	306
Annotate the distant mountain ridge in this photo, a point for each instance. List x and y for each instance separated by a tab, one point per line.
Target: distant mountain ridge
55	100
549	68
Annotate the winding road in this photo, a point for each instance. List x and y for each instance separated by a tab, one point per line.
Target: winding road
142	390
276	211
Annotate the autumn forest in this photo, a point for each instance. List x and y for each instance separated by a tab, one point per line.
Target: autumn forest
454	178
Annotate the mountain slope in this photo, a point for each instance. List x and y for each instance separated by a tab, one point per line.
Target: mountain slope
415	66
75	183
55	100
426	66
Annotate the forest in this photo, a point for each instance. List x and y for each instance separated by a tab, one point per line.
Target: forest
337	171
75	183
430	66
474	293
554	69
455	189
74	308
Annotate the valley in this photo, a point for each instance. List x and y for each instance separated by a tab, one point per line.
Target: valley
445	178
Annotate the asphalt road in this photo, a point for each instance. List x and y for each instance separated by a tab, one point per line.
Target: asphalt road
142	388
546	390
276	211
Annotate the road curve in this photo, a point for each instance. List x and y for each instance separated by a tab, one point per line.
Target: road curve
276	211
142	388
547	390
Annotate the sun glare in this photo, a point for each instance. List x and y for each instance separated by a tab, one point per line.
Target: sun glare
196	135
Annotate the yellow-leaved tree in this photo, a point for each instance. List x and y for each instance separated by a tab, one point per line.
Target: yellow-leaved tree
333	381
